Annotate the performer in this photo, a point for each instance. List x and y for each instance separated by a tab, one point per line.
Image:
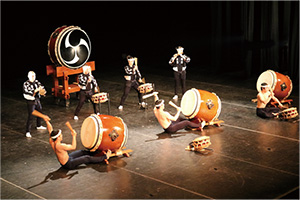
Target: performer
88	86
131	76
170	123
31	92
263	98
179	61
74	159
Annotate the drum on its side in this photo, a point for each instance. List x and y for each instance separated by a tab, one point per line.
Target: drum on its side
101	97
280	84
289	113
200	104
69	46
103	132
145	88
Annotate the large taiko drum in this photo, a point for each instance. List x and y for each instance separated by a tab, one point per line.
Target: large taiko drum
200	104
69	46
103	132
280	84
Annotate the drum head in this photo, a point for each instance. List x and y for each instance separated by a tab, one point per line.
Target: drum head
269	77
91	132
190	103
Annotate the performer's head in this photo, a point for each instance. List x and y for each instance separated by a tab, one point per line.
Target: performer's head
179	50
56	135
86	69
159	104
31	76
130	60
264	87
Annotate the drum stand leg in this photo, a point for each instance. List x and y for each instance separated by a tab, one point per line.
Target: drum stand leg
216	122
119	153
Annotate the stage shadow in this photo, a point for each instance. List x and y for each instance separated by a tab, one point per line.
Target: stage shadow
61	173
114	164
164	135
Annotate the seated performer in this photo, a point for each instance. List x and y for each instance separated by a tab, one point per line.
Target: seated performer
263	98
88	86
132	73
170	123
179	61
31	92
74	159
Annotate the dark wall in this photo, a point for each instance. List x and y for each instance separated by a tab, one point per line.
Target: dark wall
220	37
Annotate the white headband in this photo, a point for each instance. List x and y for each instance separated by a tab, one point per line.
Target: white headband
264	86
161	103
56	136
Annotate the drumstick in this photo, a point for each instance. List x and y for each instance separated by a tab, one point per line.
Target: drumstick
69	126
149	95
173	104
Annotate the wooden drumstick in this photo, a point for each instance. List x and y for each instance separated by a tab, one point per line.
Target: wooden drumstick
136	61
69	126
149	95
173	104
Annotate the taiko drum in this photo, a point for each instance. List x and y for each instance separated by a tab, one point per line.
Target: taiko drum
280	84
103	132
69	46
200	104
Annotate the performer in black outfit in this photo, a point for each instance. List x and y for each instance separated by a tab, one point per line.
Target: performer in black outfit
179	61
31	92
131	76
88	86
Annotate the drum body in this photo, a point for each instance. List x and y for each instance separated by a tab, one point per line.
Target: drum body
280	84
100	97
69	46
145	88
103	132
289	113
200	104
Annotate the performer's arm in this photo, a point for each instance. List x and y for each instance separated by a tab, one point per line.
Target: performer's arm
70	147
175	117
172	59
275	99
186	58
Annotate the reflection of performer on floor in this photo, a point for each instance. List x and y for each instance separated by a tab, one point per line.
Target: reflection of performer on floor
131	76
31	92
170	123
263	98
74	159
179	61
88	86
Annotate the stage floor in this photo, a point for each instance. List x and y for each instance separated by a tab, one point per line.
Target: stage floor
252	158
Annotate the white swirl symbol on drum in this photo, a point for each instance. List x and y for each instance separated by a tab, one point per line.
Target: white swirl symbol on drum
75	48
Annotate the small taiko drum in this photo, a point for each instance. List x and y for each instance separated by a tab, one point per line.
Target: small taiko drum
280	84
145	88
289	113
199	143
101	97
103	132
200	104
69	46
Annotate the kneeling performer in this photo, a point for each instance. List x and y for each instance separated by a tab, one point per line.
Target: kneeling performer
170	123
263	98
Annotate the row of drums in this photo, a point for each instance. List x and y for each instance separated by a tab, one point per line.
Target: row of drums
103	132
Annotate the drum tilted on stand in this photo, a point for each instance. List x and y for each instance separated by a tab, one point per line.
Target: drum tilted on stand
200	104
103	132
69	46
280	84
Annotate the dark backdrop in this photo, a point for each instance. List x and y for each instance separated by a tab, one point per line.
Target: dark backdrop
245	38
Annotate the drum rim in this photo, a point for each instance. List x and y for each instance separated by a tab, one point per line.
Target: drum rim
125	133
291	87
99	132
197	105
219	107
274	80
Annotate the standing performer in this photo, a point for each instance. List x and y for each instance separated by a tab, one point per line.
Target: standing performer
131	76
74	159
179	61
88	86
170	123
263	98
32	90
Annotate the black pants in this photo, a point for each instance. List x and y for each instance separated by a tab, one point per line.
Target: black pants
180	78
79	157
128	85
83	95
181	123
31	106
266	112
